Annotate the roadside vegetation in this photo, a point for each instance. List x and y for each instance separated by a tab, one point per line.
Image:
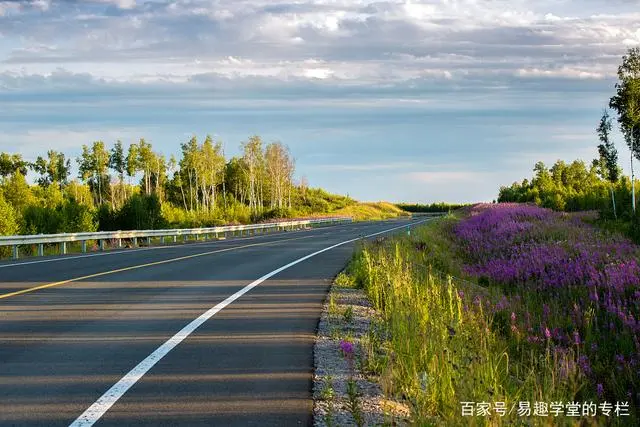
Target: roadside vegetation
600	185
504	303
372	211
136	187
439	207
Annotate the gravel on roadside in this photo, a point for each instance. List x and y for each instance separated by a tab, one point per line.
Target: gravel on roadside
347	315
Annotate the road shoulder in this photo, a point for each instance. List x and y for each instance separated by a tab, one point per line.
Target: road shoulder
344	391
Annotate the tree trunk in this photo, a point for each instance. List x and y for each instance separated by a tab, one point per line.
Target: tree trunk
633	182
613	201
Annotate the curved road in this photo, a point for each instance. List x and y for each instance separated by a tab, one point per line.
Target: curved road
213	333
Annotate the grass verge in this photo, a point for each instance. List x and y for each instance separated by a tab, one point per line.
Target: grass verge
439	347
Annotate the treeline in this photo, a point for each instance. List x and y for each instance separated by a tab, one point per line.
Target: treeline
570	187
137	187
601	185
432	208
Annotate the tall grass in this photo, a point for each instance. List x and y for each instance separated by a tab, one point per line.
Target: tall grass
372	211
438	342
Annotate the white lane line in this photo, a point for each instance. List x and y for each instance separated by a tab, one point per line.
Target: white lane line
111	396
128	251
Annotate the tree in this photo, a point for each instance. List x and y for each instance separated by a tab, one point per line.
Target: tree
188	167
253	160
132	165
279	166
55	169
92	165
118	163
8	218
12	163
17	192
608	155
626	102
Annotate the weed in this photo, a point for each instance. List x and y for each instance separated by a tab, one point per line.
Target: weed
328	394
354	401
348	315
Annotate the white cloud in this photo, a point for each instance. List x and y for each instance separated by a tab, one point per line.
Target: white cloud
421	63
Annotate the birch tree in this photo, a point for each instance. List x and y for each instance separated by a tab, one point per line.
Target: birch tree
608	156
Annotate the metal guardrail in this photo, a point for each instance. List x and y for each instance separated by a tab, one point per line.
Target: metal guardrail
101	236
428	213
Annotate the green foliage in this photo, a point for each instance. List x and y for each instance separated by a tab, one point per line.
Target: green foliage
141	212
17	192
8	223
372	211
626	101
432	208
134	187
353	402
274	213
608	161
8	218
348	315
67	216
568	187
436	344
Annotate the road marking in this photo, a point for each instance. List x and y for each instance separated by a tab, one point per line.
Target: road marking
111	396
134	267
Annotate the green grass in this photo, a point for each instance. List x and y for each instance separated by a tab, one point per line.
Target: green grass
435	345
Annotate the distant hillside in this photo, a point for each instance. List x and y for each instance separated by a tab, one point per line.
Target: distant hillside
372	211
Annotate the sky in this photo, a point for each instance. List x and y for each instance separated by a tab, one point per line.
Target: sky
415	101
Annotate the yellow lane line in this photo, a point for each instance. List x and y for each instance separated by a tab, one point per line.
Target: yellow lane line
150	264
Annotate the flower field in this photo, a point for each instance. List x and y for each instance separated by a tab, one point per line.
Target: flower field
505	305
567	287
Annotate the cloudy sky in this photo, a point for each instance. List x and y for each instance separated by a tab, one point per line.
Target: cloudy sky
397	100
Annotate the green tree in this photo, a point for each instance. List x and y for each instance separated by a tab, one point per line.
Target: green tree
626	102
54	169
12	163
17	192
608	161
189	169
133	165
253	160
8	218
118	163
92	166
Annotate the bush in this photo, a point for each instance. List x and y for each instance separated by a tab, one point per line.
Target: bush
8	218
42	220
275	213
141	212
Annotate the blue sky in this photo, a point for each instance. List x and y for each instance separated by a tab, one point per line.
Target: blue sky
383	100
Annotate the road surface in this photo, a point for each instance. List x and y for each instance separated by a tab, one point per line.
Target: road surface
211	333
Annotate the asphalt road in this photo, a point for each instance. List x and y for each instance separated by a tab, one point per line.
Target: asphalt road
62	347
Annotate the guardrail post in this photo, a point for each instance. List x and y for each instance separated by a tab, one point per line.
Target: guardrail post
63	248
40	249
15	252
119	242
175	238
149	241
101	244
184	238
162	240
135	242
197	237
84	246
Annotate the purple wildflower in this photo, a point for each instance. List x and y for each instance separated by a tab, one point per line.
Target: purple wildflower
346	347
